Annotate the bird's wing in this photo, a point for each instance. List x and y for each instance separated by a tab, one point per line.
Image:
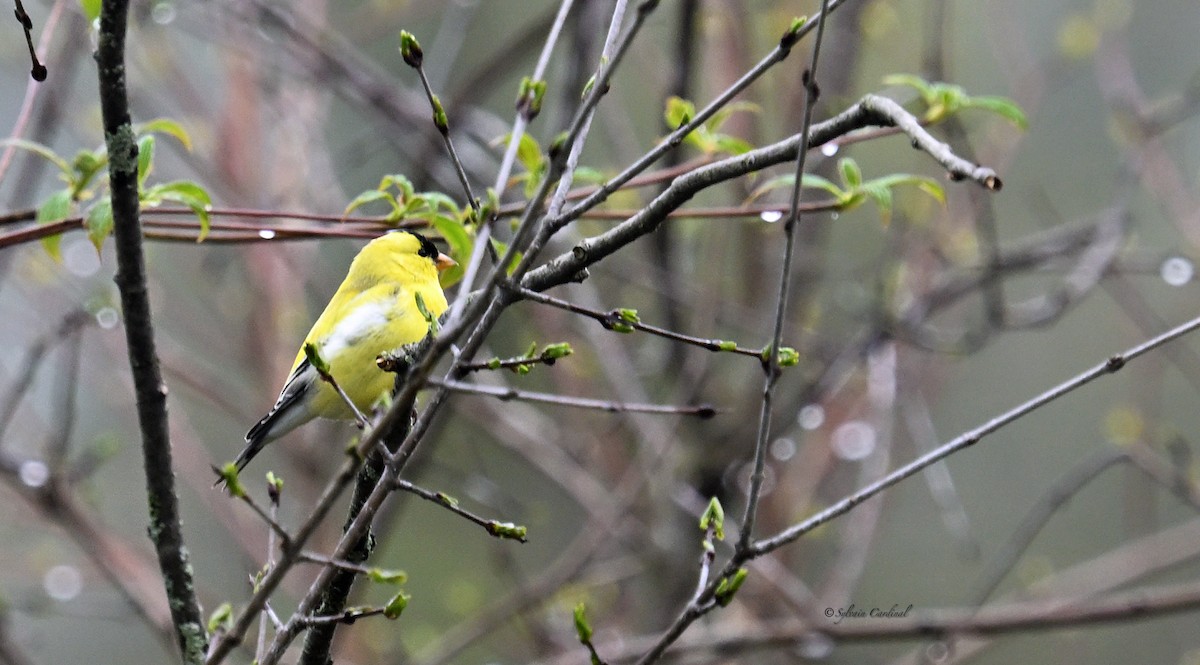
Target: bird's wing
283	417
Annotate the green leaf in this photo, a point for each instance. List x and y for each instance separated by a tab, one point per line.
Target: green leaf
529	153
382	576
501	248
679	112
274	486
369	196
221	618
86	164
439	115
396	605
788	357
556	351
731	144
714	518
628	315
923	88
923	183
99	222
91	9
229	476
851	173
506	530
1002	106
187	193
789	38
410	49
460	243
810	180
55	208
728	586
726	345
314	357
430	319
583	629
882	196
168	127
719	118
41	151
145	158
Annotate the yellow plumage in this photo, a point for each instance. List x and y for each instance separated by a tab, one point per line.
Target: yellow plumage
373	311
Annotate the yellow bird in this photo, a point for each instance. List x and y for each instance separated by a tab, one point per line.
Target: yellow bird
373	311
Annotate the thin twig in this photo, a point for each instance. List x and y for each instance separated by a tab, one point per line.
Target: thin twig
772	367
523	117
505	394
447	502
613	318
970	438
37	70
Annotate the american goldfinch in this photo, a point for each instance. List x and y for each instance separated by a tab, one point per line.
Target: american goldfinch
373	311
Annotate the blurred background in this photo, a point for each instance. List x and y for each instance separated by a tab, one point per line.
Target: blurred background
911	330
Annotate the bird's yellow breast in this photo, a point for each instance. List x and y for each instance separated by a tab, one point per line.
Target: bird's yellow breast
359	325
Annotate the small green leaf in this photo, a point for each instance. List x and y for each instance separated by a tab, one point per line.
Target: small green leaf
55	208
221	618
728	586
726	345
556	351
439	115
168	127
851	173
679	112
274	487
314	358
382	576
621	328
369	196
41	151
99	222
923	88
629	315
789	38
91	10
229	477
1002	106
788	357
714	518
145	158
460	243
396	605
187	193
494	363
410	49
882	196
86	164
506	530
529	97
430	319
731	145
446	500
719	118
583	629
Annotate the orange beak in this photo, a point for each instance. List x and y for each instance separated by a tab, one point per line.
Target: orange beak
443	262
